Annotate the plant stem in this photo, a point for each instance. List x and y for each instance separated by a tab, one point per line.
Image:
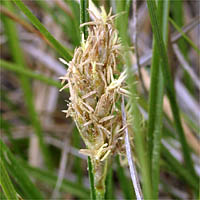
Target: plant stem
132	168
84	17
91	177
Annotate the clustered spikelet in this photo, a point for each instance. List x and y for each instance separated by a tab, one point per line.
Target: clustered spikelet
95	86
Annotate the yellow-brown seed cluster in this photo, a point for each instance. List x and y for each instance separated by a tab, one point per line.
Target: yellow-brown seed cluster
95	86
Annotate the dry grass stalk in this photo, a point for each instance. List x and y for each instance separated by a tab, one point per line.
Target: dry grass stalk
95	86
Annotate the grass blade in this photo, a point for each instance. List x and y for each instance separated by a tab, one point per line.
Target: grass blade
21	177
169	83
157	134
28	73
178	169
6	183
6	126
60	49
67	25
156	101
49	178
177	13
123	8
184	36
173	164
17	54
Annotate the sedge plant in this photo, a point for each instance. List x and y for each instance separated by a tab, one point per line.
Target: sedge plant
95	86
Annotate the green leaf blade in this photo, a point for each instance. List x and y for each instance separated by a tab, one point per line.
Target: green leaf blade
60	49
169	83
18	174
6	183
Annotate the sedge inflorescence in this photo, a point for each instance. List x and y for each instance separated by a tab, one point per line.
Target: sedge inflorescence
95	87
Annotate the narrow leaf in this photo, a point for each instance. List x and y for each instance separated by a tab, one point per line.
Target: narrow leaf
20	176
60	49
18	57
26	72
169	83
6	183
156	100
48	177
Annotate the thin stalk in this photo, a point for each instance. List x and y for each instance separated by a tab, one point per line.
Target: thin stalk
64	52
84	17
132	168
169	83
17	54
91	177
86	5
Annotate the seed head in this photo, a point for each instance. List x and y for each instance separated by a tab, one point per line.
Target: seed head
95	87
